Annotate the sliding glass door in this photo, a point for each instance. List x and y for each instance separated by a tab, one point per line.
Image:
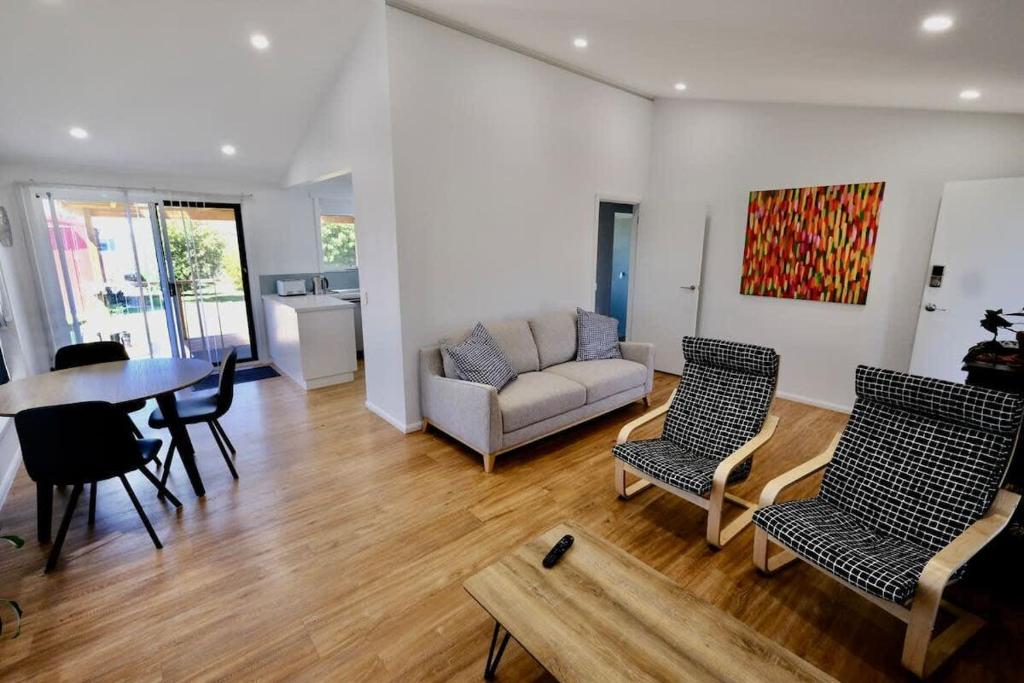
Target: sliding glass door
204	252
164	278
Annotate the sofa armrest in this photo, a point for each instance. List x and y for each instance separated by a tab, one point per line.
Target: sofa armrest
467	411
642	353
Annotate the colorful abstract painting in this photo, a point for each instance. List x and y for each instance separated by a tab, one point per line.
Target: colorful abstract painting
812	242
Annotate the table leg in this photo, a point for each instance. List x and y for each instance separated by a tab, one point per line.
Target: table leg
44	511
493	659
182	442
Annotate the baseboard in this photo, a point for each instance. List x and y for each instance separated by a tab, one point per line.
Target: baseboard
397	424
814	402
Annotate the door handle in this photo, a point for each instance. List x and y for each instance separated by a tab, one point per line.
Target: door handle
931	308
692	288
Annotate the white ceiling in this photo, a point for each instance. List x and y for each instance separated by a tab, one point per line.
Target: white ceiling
859	52
161	84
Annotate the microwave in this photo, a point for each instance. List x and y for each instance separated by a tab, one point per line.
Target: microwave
291	287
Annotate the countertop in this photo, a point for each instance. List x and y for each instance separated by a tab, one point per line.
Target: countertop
310	302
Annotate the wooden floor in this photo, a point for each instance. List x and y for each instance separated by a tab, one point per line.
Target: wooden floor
340	555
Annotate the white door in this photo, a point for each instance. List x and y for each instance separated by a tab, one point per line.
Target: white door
669	250
979	239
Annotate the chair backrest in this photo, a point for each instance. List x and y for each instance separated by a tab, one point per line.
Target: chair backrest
90	353
921	459
226	382
77	443
723	397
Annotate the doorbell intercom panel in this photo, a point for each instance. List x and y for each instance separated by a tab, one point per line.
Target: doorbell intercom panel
936	278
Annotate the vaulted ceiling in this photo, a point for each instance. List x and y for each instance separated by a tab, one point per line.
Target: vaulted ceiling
856	52
160	86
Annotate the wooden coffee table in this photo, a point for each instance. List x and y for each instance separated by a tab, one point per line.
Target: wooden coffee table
602	615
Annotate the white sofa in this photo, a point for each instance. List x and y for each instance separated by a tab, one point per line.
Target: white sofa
553	392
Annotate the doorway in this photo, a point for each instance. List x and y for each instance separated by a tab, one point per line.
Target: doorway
616	241
164	278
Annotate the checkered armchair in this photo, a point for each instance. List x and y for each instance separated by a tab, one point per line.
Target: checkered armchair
714	421
916	470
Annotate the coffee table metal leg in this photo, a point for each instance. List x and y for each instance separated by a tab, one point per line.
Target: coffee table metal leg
182	441
493	659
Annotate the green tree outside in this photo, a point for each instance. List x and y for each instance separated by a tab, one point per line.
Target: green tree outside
339	243
197	254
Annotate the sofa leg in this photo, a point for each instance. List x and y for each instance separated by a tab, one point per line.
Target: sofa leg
425	427
489	459
647	401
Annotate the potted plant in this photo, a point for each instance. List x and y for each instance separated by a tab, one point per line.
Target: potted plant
993	350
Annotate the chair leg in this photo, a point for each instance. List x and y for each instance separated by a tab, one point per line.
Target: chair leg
224	435
92	503
625	492
62	532
142	513
162	491
923	649
765	564
167	471
223	450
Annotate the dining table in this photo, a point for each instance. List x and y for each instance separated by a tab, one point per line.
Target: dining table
114	382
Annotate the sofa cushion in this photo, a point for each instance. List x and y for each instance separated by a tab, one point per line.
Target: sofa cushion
514	339
602	378
597	336
536	396
478	359
555	336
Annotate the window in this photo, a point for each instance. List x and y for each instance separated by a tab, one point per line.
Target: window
338	241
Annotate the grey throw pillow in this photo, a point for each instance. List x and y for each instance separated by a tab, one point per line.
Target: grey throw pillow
597	335
479	359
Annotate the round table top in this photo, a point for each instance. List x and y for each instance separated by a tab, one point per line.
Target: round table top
117	382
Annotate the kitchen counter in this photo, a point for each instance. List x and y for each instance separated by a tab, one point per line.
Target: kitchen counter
312	338
310	302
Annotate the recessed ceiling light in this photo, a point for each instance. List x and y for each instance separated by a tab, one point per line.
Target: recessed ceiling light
228	150
580	42
969	94
79	133
937	23
259	41
680	86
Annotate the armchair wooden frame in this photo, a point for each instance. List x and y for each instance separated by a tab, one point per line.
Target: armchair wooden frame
923	650
715	502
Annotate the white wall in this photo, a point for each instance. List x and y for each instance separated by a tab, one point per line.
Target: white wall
352	134
716	153
498	161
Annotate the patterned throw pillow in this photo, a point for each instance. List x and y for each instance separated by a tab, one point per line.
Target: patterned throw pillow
597	335
479	359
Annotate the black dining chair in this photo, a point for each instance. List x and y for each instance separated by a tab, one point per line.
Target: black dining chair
93	353
83	443
205	406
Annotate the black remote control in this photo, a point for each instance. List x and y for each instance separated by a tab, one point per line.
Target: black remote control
556	552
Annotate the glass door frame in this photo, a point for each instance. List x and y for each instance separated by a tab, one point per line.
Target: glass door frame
172	310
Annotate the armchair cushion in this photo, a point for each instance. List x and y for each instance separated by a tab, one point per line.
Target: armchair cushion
665	461
921	459
723	397
884	566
